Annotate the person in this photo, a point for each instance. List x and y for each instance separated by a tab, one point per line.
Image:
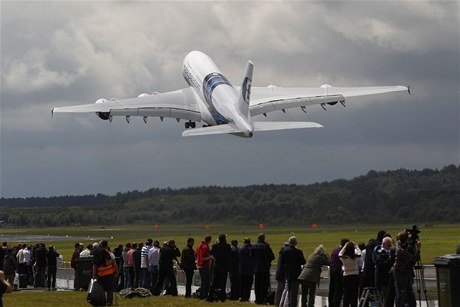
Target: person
406	257
5	286
292	260
117	252
87	251
29	263
311	274
22	269
221	251
335	276
203	259
131	260
137	264
246	269
262	256
10	265
458	249
280	276
40	265
349	255
127	267
188	265
51	260
105	269
384	260
3	252
168	254
93	249
235	286
153	263
75	255
369	261
145	272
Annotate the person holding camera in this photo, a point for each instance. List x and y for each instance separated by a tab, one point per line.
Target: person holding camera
384	260
349	255
407	254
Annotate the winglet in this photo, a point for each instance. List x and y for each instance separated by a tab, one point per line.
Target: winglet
52	112
408	89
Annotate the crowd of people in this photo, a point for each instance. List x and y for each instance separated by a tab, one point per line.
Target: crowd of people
376	265
35	265
153	266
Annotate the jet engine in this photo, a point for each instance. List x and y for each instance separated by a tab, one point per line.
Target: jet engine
103	115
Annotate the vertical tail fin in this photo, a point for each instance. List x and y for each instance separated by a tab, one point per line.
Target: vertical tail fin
245	92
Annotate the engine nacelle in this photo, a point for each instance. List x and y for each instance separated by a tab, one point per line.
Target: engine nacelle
102	115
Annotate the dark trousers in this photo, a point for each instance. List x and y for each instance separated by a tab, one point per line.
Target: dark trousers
262	280
246	286
188	282
308	293
52	270
40	277
219	281
137	277
335	287
403	288
166	273
235	288
153	276
350	290
293	288
205	281
76	281
145	279
108	284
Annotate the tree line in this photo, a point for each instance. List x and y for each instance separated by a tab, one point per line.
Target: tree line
419	196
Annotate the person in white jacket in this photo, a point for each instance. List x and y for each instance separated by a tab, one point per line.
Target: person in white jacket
349	255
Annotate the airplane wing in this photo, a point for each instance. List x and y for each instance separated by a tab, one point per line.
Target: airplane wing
180	104
272	98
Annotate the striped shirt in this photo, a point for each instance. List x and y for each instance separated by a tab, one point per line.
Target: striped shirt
144	255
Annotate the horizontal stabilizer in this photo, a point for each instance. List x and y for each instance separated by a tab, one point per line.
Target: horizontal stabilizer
270	126
219	129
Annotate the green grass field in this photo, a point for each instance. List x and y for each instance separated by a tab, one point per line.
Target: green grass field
78	299
436	241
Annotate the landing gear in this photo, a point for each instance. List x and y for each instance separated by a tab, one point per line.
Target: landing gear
190	124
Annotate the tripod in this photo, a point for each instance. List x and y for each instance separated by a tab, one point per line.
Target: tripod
420	282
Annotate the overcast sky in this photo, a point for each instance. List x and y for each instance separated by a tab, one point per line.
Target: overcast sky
66	53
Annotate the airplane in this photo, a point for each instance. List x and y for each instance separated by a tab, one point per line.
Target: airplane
222	107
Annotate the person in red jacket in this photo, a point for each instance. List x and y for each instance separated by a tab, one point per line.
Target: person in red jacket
203	261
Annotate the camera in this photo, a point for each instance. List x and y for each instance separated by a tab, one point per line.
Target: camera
413	238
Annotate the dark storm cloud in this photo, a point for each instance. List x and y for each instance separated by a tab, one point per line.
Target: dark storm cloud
65	53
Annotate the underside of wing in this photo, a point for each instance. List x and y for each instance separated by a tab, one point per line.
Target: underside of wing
272	98
181	104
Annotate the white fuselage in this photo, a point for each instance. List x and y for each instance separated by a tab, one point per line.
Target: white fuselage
220	100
